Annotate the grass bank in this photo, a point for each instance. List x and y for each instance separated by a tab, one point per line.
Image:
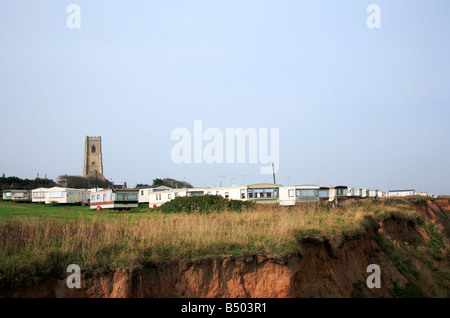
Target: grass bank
41	241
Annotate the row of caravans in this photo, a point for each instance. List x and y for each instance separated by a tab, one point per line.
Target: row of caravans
58	195
104	199
156	196
262	193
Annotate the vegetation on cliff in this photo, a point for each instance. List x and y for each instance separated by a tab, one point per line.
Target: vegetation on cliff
41	241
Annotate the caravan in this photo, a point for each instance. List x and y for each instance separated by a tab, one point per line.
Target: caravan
21	195
114	199
38	195
62	195
301	193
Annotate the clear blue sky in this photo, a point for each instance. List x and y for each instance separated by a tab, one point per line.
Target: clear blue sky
362	107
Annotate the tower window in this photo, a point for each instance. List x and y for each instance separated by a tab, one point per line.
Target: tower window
93	163
93	149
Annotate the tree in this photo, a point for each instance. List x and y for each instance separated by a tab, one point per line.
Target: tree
176	184
169	182
16	183
79	182
158	182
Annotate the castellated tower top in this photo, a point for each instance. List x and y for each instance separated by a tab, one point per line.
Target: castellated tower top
93	163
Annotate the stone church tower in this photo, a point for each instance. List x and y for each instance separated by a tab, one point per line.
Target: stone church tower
93	164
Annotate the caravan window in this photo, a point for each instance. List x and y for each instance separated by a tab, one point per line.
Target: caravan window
291	193
323	193
258	193
38	195
127	196
309	193
55	194
195	193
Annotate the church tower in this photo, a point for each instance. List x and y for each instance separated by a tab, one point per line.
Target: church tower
93	164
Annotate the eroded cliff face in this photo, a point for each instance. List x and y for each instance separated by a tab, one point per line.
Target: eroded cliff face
325	267
438	211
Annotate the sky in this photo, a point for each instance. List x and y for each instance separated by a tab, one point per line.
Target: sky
353	105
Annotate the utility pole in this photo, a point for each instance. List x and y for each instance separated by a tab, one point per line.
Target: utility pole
273	169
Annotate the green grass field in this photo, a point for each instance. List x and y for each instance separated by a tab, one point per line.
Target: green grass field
34	211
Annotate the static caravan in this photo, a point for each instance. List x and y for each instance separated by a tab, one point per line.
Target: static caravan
338	193
354	192
381	194
264	192
301	193
400	193
157	198
307	193
38	195
287	195
114	199
233	192
7	195
21	195
144	193
372	193
423	194
62	195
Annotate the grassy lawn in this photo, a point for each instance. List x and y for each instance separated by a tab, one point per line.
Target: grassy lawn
44	212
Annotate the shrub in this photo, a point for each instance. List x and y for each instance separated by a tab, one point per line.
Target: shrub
205	204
